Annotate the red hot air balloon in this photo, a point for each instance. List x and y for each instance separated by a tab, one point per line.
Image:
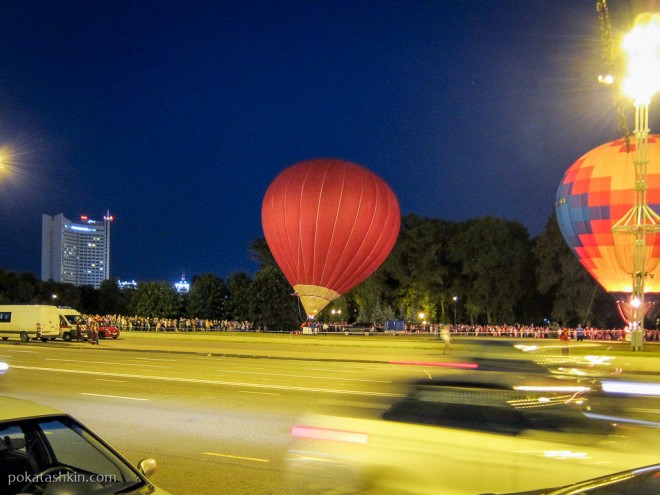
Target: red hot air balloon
330	224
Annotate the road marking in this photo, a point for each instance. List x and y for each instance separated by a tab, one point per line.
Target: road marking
255	459
108	380
114	396
156	359
209	382
260	393
333	370
306	376
28	352
106	363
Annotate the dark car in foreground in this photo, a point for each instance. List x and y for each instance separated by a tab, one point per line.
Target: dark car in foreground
638	481
464	435
46	452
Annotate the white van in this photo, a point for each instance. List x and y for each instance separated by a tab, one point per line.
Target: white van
20	320
69	323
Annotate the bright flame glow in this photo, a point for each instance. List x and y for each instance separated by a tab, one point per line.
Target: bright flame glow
643	45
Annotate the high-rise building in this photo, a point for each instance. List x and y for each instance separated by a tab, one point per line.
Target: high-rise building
75	252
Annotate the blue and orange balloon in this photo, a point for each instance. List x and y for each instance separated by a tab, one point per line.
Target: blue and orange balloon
596	192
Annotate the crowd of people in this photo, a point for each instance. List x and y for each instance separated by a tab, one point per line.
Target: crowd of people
137	323
545	332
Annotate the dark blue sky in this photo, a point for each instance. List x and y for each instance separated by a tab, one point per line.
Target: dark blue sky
177	115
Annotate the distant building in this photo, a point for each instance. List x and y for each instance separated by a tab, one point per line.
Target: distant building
125	284
75	252
182	286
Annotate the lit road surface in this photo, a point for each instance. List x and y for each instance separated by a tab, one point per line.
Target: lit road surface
215	425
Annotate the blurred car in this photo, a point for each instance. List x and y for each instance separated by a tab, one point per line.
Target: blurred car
362	328
639	481
44	451
467	434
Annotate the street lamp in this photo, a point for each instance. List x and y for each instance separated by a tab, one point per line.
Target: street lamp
642	45
455	298
5	161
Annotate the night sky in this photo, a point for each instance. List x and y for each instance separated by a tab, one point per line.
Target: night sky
176	116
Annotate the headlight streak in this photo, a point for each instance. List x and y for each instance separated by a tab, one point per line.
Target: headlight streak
542	401
617	419
631	388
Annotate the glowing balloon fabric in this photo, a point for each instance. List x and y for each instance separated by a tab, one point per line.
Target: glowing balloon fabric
329	224
596	192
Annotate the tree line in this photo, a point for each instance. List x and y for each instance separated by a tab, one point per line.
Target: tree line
481	271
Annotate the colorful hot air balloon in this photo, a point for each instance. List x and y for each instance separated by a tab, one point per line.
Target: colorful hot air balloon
329	224
596	193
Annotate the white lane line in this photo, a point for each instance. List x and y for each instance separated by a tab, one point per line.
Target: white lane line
328	370
109	380
260	393
240	457
106	363
113	396
306	376
27	352
209	382
156	359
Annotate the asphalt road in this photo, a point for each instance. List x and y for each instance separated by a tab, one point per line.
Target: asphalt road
216	415
218	424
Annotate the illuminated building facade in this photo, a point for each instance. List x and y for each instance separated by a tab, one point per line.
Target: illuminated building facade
75	252
182	286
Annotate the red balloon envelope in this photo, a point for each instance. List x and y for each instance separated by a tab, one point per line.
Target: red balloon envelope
329	224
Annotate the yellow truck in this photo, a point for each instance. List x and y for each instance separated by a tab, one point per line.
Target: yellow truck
29	322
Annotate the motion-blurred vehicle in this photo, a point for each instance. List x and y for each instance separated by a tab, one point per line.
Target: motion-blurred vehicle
468	434
44	451
639	481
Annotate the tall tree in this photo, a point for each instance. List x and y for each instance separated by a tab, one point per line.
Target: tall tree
419	267
156	299
112	300
494	255
239	301
564	282
207	297
261	253
273	306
